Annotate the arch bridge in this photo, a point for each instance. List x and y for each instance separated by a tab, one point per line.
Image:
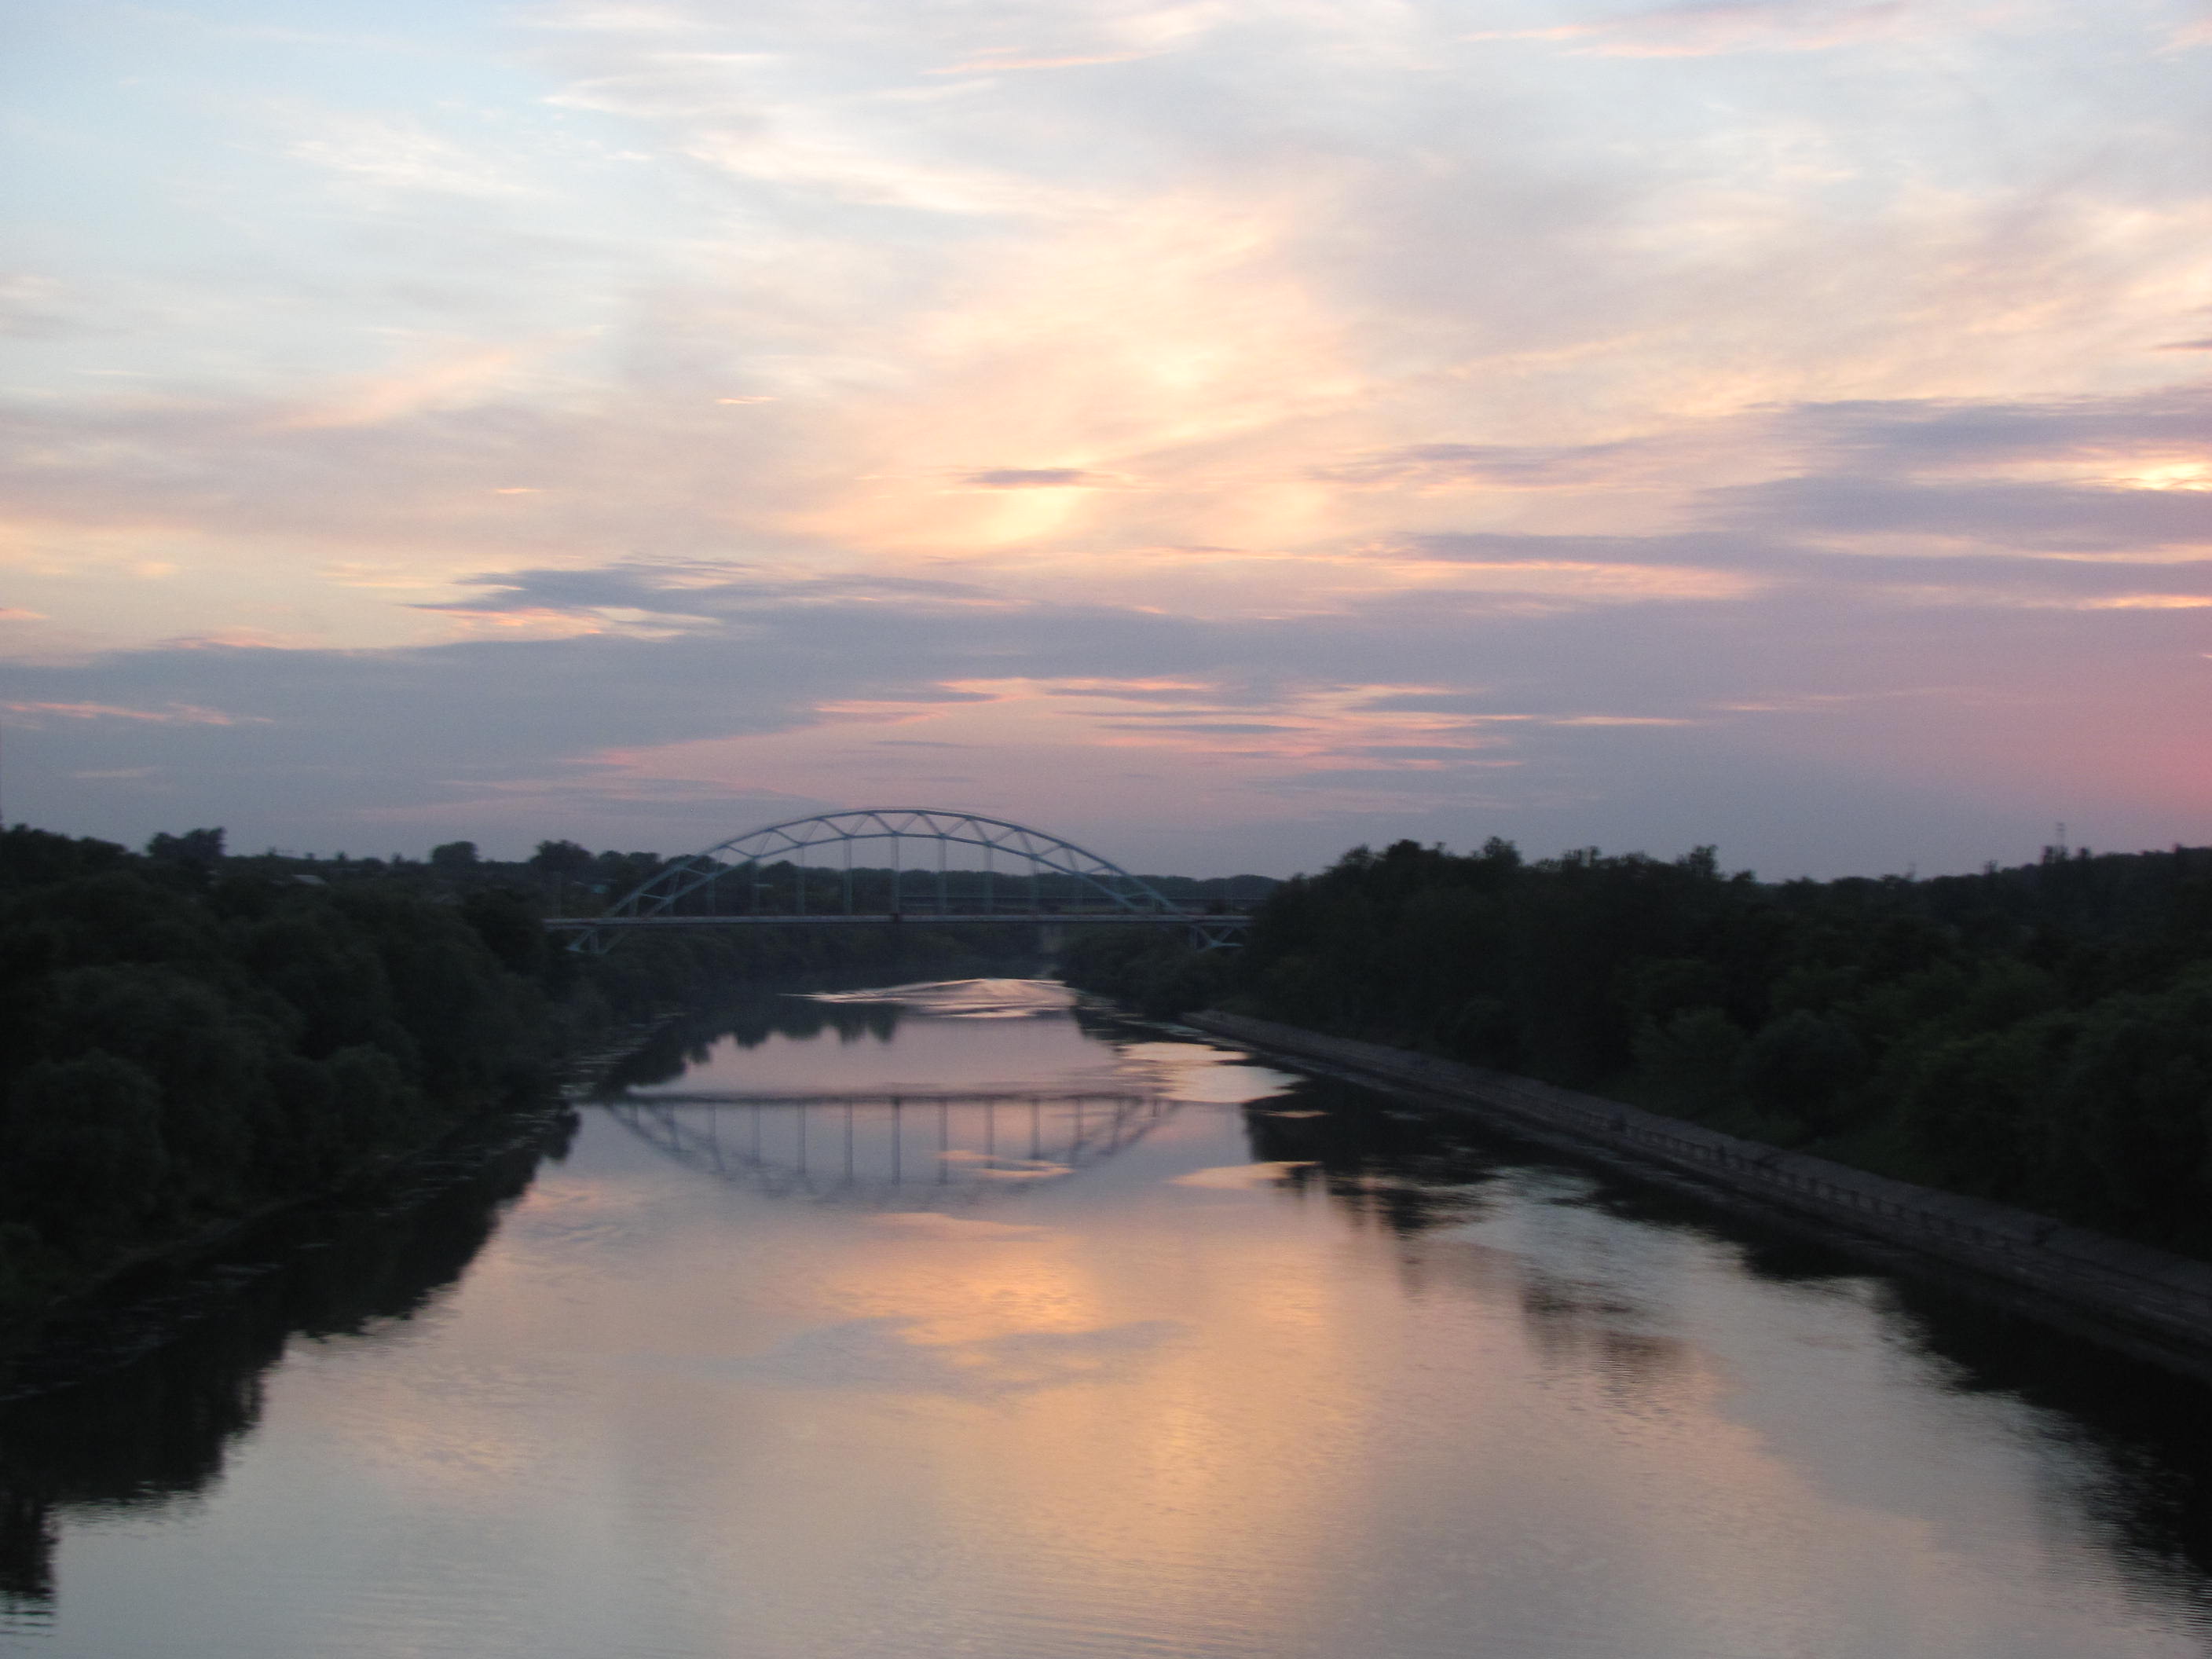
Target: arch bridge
1026	876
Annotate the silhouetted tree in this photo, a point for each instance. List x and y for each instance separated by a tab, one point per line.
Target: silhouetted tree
200	848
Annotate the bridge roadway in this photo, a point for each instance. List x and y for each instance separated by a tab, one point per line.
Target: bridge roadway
934	919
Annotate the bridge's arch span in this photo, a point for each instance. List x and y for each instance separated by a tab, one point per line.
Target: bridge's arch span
1026	851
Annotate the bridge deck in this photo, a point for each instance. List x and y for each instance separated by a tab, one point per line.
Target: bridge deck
837	919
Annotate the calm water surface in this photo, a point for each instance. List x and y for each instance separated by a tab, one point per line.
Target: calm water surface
964	1324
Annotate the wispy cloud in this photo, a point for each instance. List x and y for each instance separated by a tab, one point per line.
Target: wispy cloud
1040	477
1731	25
991	63
385	152
1318	422
174	715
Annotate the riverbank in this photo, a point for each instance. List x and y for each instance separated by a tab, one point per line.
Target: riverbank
149	1301
2146	1302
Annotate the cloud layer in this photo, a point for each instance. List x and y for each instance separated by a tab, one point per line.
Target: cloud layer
1218	432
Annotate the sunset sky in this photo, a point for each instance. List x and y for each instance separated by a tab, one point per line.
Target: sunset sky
1218	432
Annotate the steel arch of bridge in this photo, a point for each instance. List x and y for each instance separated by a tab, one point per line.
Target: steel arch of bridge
1131	896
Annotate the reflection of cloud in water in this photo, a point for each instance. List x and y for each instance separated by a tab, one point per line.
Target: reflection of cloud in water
883	1355
1237	1177
1409	1174
1193	1071
955	1230
965	998
986	1166
570	1212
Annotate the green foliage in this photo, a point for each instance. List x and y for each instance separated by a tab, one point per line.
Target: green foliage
33	858
2129	1114
194	1039
564	859
195	850
1973	1106
89	1155
2041	1036
1801	1066
209	1056
508	923
1158	976
1690	1061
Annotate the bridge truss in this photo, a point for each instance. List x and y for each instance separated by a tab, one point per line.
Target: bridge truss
685	892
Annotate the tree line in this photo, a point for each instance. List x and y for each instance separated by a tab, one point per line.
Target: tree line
195	1037
2041	1036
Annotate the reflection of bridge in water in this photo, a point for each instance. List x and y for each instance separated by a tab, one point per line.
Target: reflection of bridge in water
909	1150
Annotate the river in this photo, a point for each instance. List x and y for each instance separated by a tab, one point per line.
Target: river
957	1321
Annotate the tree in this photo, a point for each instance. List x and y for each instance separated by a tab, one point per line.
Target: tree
458	857
1800	1067
508	924
1690	1059
563	859
201	849
88	1132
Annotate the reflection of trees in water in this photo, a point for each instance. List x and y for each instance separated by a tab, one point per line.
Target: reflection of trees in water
157	1430
1415	1173
2145	1432
2142	1435
1588	1326
748	1020
1406	1171
752	1018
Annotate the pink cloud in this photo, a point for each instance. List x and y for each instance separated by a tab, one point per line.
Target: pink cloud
1712	30
989	64
177	713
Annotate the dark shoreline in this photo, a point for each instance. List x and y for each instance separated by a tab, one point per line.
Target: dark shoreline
142	1305
2148	1303
134	1306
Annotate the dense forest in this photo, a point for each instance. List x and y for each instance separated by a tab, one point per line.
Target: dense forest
195	1038
2041	1036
